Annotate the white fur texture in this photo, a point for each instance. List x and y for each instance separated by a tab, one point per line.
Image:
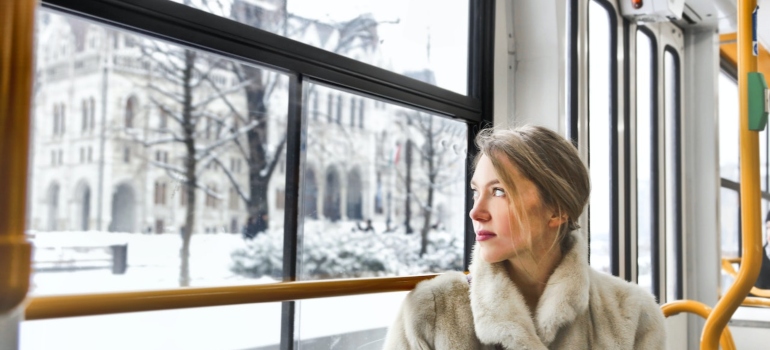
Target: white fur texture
579	309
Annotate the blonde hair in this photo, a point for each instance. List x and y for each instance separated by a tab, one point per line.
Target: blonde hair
545	158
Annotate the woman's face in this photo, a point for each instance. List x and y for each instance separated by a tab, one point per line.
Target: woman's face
497	229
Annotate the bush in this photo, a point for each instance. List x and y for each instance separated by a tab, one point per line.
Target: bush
262	256
337	251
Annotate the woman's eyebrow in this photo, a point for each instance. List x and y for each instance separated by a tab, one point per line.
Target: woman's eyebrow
490	183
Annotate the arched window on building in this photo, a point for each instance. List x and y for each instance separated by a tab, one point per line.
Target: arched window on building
163	121
378	202
131	110
85	112
234	225
83	202
92	110
211	199
160	193
53	207
62	118
310	194
123	209
354	200
339	109
352	113
361	107
56	119
332	195
234	199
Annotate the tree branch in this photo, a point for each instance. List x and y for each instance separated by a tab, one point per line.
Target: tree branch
235	183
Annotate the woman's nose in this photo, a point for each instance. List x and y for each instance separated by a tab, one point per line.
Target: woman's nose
479	211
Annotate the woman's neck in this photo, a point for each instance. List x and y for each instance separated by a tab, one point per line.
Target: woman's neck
531	274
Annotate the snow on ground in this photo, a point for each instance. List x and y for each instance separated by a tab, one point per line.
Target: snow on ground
153	263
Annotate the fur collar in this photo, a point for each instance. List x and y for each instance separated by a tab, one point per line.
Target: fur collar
501	315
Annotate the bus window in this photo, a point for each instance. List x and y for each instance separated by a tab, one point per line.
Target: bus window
143	133
729	172
247	326
730	229
645	114
383	190
404	36
600	130
160	165
728	128
672	117
360	322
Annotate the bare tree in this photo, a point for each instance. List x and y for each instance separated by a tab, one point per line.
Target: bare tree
261	157
434	168
180	85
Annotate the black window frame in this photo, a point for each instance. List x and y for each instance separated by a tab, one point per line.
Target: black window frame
190	27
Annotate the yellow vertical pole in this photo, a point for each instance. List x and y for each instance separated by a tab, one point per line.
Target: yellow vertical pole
751	218
17	18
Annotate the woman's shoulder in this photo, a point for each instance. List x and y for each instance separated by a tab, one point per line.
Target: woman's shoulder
614	292
436	314
445	284
450	287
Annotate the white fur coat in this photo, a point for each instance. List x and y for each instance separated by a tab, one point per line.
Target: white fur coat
579	309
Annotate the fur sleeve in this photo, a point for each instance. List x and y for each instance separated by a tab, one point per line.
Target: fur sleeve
414	326
435	315
650	330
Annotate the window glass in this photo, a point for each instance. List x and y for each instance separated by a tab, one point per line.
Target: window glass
116	220
672	115
729	126
383	197
729	235
406	37
600	129
234	327
360	322
644	118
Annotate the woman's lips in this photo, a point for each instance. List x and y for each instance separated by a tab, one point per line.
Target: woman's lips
484	235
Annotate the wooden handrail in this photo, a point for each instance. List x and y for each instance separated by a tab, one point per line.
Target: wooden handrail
17	19
46	307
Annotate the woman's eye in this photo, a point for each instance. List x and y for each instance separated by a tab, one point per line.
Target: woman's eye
498	192
475	194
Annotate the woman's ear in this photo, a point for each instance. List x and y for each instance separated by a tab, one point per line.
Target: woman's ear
557	219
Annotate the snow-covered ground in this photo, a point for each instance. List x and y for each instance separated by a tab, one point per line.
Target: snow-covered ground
153	263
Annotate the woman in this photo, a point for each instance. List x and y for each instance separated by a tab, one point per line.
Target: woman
530	286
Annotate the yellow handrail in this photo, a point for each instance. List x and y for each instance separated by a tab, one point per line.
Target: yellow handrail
727	266
16	57
46	307
750	196
751	301
676	307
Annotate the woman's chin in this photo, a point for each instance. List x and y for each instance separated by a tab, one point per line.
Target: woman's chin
491	257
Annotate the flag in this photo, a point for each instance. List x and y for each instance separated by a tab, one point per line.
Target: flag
396	153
